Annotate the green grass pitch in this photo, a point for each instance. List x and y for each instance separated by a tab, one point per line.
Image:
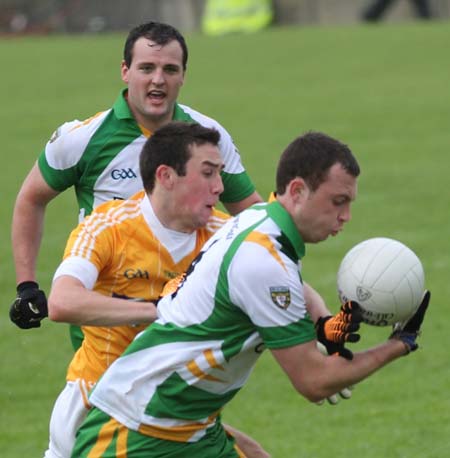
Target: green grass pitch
383	90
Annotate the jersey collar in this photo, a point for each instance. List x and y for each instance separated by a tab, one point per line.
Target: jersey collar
121	108
122	111
180	115
282	218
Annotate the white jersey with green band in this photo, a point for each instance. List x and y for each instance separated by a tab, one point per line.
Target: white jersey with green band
243	293
100	156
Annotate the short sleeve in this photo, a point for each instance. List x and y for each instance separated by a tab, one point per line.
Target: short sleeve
266	285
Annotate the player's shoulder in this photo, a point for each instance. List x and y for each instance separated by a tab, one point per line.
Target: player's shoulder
201	118
68	142
77	129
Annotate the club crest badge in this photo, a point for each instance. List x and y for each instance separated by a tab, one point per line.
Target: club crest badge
281	296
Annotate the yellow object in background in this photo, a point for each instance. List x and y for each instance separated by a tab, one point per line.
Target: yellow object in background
229	16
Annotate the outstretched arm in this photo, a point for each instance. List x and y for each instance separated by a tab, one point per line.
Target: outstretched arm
71	302
316	376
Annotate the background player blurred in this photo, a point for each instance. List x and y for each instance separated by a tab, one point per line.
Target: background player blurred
99	157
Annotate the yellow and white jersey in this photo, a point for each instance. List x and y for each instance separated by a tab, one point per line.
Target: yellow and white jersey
122	250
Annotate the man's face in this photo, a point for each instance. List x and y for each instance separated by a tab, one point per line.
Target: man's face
196	193
154	79
324	212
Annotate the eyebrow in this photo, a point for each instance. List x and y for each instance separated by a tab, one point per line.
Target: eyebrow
216	165
346	197
151	62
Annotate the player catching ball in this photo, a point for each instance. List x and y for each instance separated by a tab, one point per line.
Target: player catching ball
243	294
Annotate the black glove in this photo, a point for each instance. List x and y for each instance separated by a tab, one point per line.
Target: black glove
409	331
29	307
334	331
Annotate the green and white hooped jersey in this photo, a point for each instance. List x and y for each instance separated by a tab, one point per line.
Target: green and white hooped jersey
100	157
243	293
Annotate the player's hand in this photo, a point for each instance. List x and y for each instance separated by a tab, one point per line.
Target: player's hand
334	331
345	393
408	331
30	306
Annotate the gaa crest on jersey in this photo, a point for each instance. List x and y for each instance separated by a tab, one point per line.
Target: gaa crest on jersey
281	296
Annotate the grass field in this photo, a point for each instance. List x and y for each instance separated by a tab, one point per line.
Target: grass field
383	90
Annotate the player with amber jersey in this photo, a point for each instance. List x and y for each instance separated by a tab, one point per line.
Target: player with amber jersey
118	259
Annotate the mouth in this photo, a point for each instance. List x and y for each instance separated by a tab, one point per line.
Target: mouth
156	95
211	206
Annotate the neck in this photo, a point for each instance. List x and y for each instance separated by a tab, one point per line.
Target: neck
148	122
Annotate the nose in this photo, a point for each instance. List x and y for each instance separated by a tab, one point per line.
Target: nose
217	187
345	216
158	76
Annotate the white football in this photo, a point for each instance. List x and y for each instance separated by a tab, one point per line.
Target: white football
385	277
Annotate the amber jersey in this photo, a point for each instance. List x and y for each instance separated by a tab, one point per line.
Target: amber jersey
122	250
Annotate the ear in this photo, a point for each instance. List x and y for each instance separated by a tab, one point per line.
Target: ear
165	175
124	72
297	189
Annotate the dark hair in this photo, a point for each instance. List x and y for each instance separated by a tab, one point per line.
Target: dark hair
310	157
158	32
170	145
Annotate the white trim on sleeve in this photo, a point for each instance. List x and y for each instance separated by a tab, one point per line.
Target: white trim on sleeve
80	268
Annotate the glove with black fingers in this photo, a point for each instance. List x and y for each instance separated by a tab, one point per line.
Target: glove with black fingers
345	393
30	306
408	331
334	331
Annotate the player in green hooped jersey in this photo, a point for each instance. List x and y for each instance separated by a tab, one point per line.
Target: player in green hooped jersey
242	294
99	156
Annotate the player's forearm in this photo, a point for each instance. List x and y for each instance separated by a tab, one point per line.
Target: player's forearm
340	372
314	303
26	235
72	303
326	375
28	223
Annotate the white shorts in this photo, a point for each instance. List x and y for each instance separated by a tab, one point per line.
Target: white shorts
68	413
